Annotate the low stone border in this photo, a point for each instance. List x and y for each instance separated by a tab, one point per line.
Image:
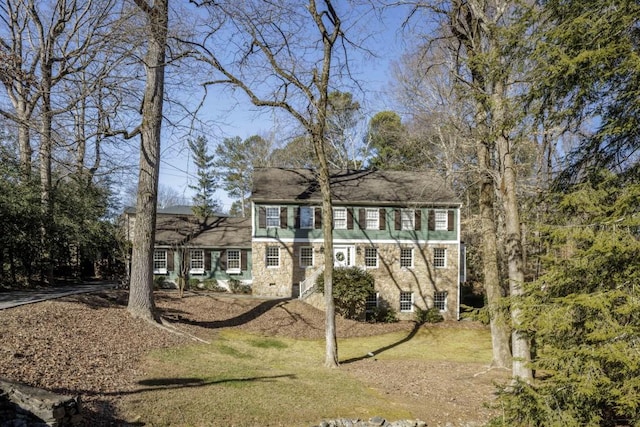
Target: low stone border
372	422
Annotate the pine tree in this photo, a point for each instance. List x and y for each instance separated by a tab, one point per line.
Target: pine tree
583	313
203	203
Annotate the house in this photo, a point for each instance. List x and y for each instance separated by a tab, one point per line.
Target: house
402	227
216	248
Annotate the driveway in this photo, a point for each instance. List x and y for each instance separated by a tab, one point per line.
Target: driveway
15	298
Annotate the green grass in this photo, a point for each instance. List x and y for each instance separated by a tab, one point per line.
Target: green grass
247	380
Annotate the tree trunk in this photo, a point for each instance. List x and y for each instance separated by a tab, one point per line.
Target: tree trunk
141	302
513	245
45	154
499	322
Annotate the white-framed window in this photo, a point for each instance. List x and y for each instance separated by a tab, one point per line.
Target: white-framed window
160	261
439	257
440	300
306	256
372	219
408	219
340	218
306	216
272	256
441	220
406	257
233	261
406	302
371	302
196	261
371	257
273	216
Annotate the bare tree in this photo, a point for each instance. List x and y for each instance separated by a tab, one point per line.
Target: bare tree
449	139
282	57
141	302
484	67
43	45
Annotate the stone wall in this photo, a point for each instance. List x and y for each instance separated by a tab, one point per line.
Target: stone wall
422	279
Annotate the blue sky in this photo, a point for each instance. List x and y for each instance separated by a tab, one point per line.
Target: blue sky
229	116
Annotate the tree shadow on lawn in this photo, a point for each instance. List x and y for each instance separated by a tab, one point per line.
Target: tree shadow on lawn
177	316
154	384
409	337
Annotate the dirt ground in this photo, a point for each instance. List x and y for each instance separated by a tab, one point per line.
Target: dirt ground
88	345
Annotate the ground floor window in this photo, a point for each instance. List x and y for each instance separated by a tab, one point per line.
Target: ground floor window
160	261
406	258
439	257
440	300
306	257
196	261
406	301
371	257
233	261
273	256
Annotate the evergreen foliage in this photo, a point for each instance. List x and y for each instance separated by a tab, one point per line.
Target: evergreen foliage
235	162
583	313
351	287
203	203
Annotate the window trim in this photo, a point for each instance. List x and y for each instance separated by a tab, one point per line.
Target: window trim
404	217
376	213
234	270
300	257
401	300
272	257
440	297
370	257
439	261
198	270
164	260
345	219
439	223
404	258
369	307
268	217
310	209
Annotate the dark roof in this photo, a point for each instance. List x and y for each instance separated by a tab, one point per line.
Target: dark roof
170	210
366	187
215	232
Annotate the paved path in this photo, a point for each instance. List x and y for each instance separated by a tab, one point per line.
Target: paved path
16	298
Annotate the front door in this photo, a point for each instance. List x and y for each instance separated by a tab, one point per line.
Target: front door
341	256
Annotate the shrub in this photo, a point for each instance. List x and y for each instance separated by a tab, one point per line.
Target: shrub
351	286
383	314
237	287
159	282
193	283
430	315
211	285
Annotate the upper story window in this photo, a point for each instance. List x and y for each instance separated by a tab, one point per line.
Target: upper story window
408	219
439	257
160	261
233	261
442	220
273	216
196	261
372	219
340	218
307	215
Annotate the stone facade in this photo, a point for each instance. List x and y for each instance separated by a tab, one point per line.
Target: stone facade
421	279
